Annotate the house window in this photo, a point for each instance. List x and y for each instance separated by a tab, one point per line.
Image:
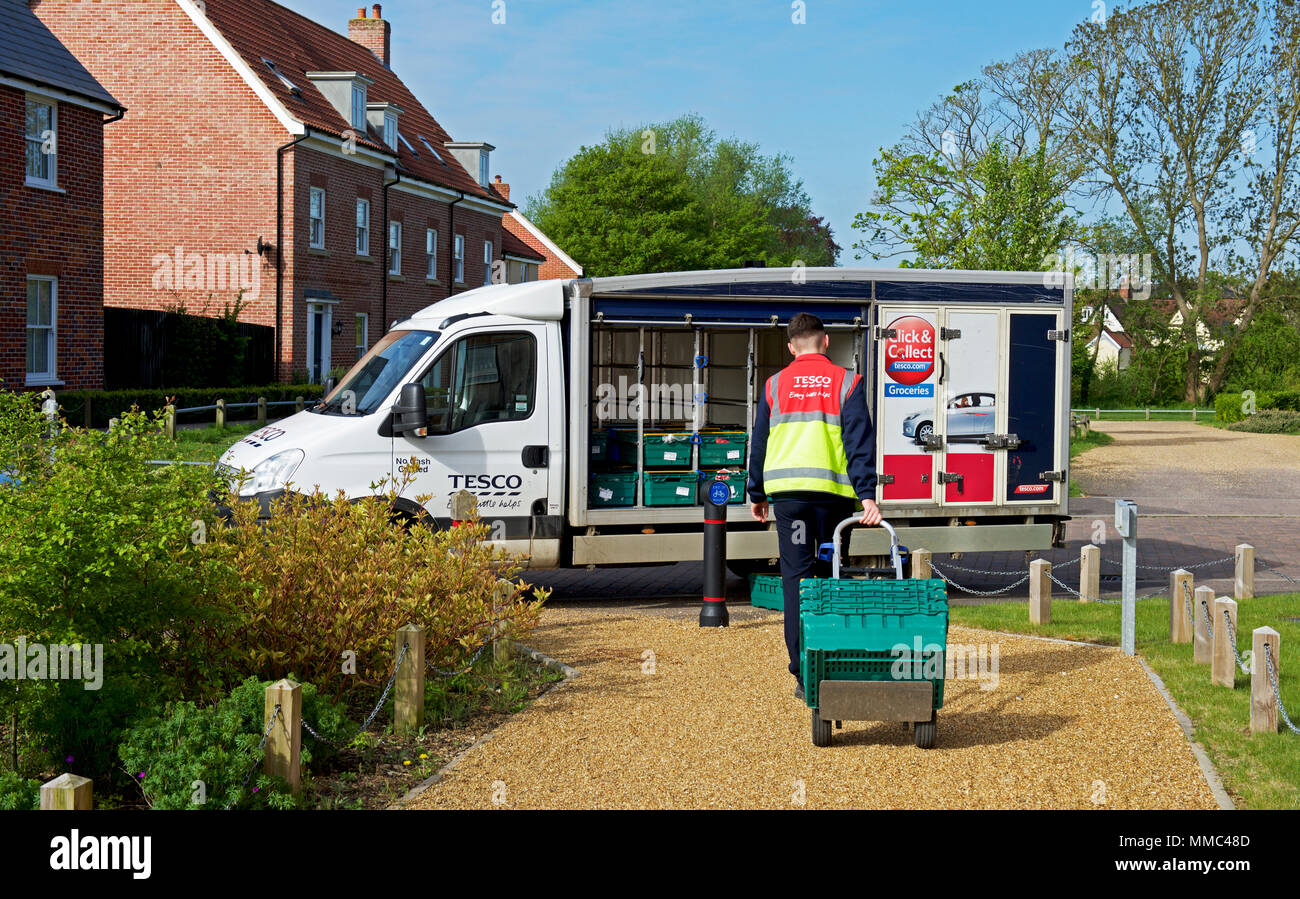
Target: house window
42	313
390	131
363	227
431	254
42	142
483	169
317	217
458	256
487	262
363	333
394	248
359	106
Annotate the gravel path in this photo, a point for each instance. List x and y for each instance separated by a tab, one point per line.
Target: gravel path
716	726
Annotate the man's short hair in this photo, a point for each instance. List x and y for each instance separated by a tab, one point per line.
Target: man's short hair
803	326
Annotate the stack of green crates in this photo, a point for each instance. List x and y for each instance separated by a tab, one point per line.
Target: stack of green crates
722	449
765	592
850	629
671	488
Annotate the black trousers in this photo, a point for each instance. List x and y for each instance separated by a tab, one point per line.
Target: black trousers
804	522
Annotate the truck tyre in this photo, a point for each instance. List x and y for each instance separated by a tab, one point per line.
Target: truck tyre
821	730
924	734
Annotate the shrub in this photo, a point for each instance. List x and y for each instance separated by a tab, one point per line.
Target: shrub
1269	421
106	404
1227	407
191	757
19	793
326	577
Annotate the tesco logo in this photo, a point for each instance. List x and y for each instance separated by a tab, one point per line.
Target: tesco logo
909	356
812	381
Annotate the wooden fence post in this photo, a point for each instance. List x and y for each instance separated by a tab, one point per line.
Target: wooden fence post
67	792
1245	579
1223	669
261	411
1148	413
1090	573
1263	703
921	564
408	695
169	421
284	744
89	410
221	414
299	404
1180	600
1202	606
1040	592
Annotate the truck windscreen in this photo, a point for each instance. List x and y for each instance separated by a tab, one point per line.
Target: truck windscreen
378	373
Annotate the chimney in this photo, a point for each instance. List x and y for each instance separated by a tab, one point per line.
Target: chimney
502	188
373	33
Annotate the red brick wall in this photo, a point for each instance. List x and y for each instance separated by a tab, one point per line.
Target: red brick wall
552	267
44	232
193	165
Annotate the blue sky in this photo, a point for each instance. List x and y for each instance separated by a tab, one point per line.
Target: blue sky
828	93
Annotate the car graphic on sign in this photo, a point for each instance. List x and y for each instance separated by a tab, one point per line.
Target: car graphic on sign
971	417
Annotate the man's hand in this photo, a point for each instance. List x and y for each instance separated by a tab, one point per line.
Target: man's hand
870	513
759	511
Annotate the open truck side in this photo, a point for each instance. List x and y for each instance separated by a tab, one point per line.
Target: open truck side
585	415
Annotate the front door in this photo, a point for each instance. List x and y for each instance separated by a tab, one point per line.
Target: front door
320	325
488	432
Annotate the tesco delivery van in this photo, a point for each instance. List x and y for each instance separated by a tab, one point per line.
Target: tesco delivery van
587	416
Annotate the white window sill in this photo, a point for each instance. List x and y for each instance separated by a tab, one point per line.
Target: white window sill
44	381
46	185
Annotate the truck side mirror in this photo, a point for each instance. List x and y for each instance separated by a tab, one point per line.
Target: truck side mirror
411	414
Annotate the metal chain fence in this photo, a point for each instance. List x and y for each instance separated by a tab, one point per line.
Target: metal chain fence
260	748
373	712
1232	641
1272	679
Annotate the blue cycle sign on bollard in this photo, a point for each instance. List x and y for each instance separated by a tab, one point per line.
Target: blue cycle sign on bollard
713	612
1126	516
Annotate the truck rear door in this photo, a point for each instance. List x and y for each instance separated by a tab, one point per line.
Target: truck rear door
1037	354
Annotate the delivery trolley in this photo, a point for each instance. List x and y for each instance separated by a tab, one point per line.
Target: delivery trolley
873	649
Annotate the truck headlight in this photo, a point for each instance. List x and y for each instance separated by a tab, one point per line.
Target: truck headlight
272	474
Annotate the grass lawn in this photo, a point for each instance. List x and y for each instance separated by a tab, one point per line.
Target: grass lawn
1260	771
208	444
1082	445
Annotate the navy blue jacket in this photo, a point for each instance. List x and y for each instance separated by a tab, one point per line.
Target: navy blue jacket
857	433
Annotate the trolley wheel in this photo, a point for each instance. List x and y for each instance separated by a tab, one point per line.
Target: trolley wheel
839	725
821	730
923	736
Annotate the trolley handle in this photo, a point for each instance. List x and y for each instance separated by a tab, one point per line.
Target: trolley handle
894	554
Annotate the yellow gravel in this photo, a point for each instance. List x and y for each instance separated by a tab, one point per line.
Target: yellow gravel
716	726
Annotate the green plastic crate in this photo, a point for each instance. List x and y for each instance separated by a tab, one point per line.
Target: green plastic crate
854	629
612	488
600	445
735	479
661	449
719	448
765	592
671	488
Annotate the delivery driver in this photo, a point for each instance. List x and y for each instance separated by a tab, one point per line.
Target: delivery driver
813	453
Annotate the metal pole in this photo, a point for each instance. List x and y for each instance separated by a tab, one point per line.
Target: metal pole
1126	524
713	612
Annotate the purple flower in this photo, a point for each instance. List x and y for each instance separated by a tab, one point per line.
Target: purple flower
69	760
255	789
140	775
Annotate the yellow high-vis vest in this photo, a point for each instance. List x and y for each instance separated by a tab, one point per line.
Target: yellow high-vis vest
805	443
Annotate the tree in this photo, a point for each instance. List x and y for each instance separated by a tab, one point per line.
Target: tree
672	197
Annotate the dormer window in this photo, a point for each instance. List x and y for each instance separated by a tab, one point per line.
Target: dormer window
390	131
483	169
348	93
359	106
382	117
473	155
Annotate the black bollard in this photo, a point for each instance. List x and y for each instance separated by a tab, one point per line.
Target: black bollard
713	613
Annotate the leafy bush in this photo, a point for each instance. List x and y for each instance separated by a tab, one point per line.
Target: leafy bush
18	793
326	577
106	404
1269	421
191	757
1227	407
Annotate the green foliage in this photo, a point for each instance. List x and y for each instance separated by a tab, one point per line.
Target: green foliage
203	350
674	197
1231	407
106	404
1228	407
19	793
1269	421
328	718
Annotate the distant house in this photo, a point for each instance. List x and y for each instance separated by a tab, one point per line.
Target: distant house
1113	347
52	194
271	157
555	262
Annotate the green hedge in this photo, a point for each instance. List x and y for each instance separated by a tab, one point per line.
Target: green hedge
1228	406
106	404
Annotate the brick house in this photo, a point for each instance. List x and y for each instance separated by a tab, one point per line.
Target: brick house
51	193
519	231
272	158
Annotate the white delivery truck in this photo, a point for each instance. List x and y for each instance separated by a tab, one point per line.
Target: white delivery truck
586	416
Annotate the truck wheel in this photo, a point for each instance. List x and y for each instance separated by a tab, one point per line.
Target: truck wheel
821	730
923	736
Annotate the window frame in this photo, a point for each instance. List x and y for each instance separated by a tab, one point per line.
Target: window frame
390	130
431	254
52	159
458	258
362	322
363	203
488	258
51	373
450	356
311	219
359	91
394	252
